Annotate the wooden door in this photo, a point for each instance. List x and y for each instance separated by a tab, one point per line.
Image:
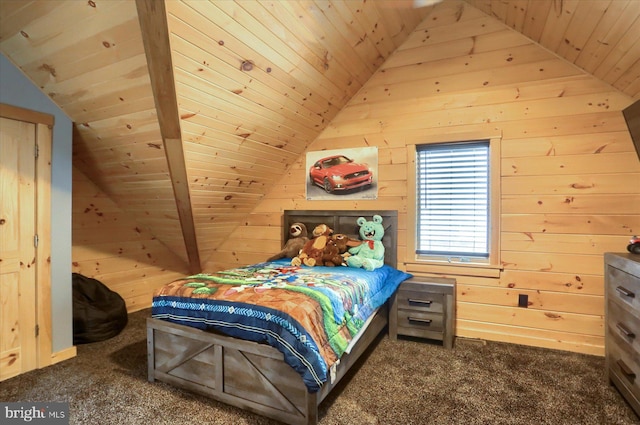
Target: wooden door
18	346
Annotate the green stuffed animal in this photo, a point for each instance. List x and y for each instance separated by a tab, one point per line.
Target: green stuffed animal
370	253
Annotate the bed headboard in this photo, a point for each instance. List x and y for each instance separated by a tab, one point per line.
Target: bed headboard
344	221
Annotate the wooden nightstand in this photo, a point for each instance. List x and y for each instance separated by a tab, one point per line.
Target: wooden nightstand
424	307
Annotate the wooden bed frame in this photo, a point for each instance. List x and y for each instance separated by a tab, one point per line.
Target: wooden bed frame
250	375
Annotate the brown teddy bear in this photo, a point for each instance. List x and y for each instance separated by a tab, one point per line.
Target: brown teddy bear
337	248
312	252
297	238
331	254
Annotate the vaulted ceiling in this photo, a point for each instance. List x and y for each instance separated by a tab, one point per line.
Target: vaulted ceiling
186	111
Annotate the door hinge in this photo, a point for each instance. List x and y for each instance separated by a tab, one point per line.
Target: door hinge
35	240
37	330
37	150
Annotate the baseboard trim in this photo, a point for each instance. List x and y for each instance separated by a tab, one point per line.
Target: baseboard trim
63	355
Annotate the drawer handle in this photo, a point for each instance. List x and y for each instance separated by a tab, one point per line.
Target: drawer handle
420	321
626	370
422	302
625	330
625	292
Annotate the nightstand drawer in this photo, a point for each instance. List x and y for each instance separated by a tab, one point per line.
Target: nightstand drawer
419	320
422	301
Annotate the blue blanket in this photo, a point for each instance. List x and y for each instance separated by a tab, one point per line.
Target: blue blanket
310	314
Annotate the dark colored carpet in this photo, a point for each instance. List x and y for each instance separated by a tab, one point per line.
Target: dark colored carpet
403	382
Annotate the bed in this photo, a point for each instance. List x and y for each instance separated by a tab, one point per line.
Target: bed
253	375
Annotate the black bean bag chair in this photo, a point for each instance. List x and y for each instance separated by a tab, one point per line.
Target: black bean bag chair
98	312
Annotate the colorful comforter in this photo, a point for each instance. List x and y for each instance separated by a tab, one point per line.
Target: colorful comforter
310	314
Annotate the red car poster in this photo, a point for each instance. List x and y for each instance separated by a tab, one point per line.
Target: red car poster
342	174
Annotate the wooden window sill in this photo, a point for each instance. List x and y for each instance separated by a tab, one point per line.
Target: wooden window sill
454	269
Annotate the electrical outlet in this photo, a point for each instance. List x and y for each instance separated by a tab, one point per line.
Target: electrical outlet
523	300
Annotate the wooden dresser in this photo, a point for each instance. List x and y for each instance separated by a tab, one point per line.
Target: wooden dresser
622	330
424	307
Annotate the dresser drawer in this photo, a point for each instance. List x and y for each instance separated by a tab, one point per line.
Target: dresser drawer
623	328
624	289
624	364
421	301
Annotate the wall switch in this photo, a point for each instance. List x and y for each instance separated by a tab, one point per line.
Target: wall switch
523	300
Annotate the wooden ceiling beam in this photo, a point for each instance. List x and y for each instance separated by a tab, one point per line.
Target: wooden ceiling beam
155	36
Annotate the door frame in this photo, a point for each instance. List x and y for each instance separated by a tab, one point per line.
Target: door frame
44	139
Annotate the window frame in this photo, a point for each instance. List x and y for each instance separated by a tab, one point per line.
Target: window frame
474	266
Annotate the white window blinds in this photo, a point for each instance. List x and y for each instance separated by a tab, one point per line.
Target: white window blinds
453	199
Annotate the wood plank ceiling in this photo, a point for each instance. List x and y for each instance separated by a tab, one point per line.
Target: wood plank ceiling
186	111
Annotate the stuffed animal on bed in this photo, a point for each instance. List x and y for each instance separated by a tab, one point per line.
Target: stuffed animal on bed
336	246
370	253
312	251
297	238
337	250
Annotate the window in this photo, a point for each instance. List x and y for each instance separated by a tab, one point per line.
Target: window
453	199
454	190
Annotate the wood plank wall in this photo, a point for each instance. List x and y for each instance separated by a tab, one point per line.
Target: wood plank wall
110	246
569	173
